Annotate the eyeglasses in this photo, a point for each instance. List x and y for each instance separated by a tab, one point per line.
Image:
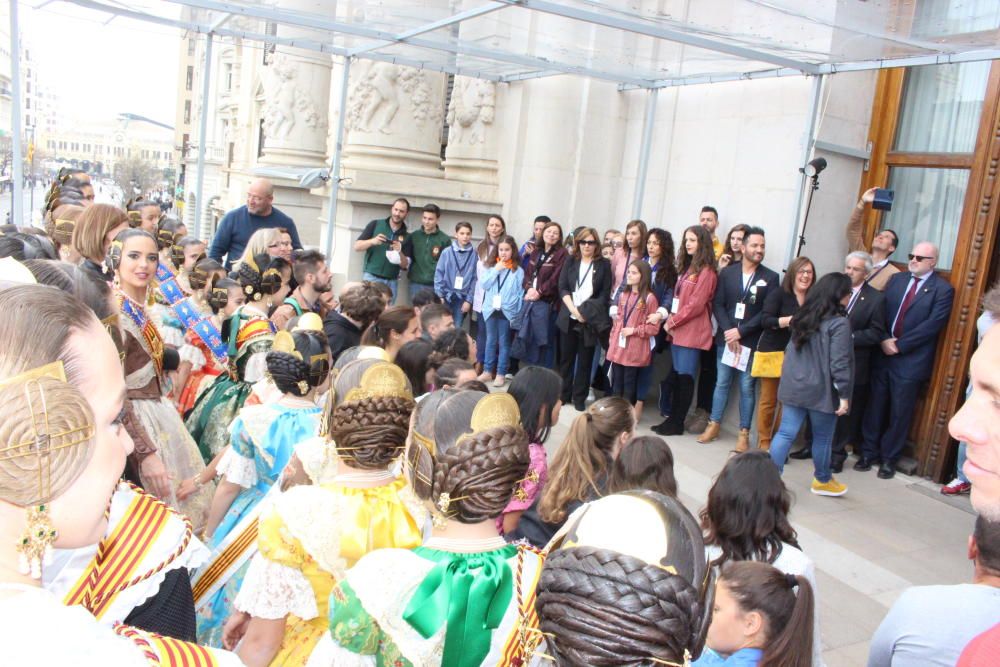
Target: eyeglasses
617	244
919	258
804	272
587	242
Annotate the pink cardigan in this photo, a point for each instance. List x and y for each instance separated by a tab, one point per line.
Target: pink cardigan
636	351
691	325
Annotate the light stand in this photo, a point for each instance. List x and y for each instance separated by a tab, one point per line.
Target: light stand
812	170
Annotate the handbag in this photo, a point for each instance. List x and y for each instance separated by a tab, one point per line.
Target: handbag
767	364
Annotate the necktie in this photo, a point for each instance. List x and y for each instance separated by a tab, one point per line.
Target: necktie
907	300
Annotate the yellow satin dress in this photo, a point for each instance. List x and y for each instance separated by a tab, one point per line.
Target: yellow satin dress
322	532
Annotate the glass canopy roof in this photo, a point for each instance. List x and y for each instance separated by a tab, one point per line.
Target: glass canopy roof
635	43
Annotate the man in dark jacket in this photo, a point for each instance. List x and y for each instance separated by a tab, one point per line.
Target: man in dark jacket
739	300
866	313
917	308
360	305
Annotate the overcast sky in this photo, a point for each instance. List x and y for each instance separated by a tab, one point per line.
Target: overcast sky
103	70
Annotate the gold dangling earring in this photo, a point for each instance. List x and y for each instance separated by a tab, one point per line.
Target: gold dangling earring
35	547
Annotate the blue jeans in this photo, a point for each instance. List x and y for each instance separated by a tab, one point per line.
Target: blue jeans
685	362
961	462
457	314
417	287
393	284
748	388
823	424
480	338
497	344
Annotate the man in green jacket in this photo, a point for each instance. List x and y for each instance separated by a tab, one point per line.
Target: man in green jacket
382	243
422	249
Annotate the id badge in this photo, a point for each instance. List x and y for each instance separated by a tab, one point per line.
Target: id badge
496	302
741	309
622	340
459	281
675	305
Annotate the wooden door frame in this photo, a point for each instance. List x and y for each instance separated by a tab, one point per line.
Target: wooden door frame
974	248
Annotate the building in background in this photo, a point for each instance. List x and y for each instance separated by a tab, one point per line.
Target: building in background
569	147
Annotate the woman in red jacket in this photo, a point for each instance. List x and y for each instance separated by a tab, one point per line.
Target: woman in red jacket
690	321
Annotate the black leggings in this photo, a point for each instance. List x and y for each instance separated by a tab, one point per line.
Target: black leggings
625	382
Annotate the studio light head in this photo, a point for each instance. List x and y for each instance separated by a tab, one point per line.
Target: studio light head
814	167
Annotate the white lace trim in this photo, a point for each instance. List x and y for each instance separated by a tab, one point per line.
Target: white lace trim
256	367
271	590
314	517
237	469
192	355
318	458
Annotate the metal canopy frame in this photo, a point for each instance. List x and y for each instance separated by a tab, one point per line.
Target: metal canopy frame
472	59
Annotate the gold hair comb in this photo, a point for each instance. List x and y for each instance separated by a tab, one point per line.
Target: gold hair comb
493	411
380	379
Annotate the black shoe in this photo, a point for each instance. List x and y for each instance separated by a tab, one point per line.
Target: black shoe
886	471
863	464
800	454
668	427
580	406
837	467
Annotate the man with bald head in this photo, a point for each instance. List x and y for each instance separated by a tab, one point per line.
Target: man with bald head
917	307
239	224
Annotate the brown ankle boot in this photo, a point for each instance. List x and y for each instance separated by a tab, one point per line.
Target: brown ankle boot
743	441
711	433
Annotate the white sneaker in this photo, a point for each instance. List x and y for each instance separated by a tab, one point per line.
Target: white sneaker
499	381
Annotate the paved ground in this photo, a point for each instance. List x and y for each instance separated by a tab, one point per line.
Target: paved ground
868	546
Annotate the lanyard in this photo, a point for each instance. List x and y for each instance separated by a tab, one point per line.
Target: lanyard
579	283
746	290
853	300
503	280
468	258
628	260
542	258
628	311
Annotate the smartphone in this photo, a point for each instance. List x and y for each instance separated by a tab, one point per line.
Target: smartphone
883	199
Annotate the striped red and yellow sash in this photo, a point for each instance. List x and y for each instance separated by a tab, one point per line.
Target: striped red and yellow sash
166	651
254	329
118	556
514	649
218	567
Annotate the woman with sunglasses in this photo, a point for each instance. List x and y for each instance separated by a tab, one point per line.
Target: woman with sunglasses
584	291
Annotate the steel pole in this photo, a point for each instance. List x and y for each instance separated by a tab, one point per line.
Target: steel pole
812	119
17	167
644	151
338	147
202	139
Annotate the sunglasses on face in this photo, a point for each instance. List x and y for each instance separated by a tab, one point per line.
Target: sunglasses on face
587	242
919	258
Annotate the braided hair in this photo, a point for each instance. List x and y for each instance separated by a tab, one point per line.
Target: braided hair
260	278
601	606
368	432
478	471
299	372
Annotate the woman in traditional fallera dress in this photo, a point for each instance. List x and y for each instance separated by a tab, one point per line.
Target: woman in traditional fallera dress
263	440
249	333
465	598
200	365
61	385
626	583
313	534
153	417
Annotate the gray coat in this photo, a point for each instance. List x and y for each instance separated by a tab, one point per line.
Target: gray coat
819	374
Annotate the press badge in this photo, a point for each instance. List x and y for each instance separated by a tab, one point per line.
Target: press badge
675	305
740	310
459	281
622	340
496	302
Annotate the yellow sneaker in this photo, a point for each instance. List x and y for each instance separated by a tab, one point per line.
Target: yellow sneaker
831	488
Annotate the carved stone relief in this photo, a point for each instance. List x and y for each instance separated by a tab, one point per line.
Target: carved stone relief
378	91
289	110
471	110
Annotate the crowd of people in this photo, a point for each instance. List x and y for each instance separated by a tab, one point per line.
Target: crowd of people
210	458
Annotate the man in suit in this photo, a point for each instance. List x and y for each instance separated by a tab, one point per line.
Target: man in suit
917	307
866	312
739	299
